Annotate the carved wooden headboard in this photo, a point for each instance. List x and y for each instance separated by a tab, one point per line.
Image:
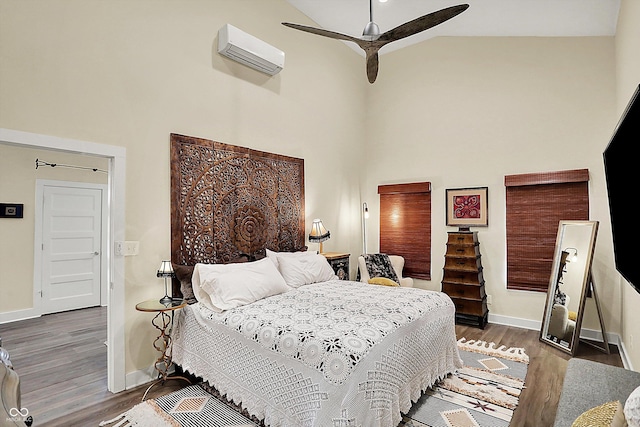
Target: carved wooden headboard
228	201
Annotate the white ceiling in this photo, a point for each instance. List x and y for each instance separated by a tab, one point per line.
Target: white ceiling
544	18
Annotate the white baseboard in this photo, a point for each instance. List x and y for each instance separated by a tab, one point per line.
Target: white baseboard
589	334
517	322
14	316
139	377
625	356
143	376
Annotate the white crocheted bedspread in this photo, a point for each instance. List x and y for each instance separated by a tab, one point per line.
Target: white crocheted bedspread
336	353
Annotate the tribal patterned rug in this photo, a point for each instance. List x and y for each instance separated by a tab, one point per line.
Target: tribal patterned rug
484	393
191	406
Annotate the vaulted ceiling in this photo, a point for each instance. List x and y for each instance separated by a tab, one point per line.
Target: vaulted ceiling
543	18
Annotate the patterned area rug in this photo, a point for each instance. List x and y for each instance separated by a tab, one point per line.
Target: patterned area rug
191	406
482	394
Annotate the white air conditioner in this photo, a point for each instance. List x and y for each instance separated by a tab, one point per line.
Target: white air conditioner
249	50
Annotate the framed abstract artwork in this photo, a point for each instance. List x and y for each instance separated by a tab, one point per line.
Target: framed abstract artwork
467	207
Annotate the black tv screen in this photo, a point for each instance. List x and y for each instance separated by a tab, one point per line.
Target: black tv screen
622	169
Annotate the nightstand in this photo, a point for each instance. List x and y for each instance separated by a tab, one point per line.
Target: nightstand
339	262
163	322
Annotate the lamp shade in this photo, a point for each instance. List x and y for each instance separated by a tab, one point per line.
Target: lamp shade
318	233
573	254
165	270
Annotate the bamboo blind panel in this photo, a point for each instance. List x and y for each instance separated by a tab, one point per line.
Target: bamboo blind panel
533	216
405	226
559	177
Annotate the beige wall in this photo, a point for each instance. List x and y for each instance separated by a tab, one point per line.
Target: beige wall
628	79
454	111
465	112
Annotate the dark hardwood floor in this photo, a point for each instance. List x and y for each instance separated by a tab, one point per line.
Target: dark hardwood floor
61	360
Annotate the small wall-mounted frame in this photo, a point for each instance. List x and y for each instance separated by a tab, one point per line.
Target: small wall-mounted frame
11	210
467	207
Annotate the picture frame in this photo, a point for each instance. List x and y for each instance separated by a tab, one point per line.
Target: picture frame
467	207
11	210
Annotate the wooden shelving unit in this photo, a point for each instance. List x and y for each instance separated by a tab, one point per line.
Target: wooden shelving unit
463	280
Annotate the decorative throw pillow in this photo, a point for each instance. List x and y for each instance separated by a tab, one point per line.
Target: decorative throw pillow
304	268
609	414
222	287
383	281
632	408
183	274
560	297
379	265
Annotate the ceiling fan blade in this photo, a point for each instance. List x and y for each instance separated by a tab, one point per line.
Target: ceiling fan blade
373	42
321	32
423	23
372	66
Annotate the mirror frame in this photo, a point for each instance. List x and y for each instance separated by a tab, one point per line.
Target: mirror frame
586	285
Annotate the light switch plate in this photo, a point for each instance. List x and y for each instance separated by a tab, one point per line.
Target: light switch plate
127	248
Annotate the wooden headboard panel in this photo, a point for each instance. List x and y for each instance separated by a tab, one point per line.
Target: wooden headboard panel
228	201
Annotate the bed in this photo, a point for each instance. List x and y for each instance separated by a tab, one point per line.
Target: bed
269	325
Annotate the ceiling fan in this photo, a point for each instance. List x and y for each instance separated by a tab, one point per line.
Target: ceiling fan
371	40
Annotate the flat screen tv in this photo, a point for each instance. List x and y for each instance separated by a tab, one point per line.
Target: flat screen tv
622	169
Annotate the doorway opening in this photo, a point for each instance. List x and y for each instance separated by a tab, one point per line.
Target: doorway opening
115	232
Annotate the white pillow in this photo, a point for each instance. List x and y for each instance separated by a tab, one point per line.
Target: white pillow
274	256
304	270
222	287
632	408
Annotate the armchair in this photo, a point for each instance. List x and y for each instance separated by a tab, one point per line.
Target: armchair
561	326
397	262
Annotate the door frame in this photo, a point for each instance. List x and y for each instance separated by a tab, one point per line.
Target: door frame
116	375
41	184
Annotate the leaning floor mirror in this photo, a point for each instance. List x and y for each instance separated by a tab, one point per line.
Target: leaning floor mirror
569	285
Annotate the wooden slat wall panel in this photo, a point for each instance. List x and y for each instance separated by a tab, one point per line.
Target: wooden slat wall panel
405	226
533	215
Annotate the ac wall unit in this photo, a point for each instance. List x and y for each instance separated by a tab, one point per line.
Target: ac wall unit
249	50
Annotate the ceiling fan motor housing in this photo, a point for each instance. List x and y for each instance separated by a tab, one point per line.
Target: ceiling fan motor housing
371	30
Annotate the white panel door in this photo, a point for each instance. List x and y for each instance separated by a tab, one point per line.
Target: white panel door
71	246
